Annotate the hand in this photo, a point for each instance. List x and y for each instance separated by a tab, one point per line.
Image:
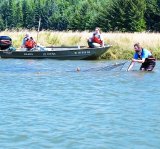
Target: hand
134	60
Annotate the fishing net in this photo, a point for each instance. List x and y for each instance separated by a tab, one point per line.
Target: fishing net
117	66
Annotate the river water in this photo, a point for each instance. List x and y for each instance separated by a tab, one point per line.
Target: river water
47	104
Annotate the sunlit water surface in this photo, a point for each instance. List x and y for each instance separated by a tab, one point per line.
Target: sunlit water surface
47	104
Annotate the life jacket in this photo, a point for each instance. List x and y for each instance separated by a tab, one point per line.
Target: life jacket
96	39
30	43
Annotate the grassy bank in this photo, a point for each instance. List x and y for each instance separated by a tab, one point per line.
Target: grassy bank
122	43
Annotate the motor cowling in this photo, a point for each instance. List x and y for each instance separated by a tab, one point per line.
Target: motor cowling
5	42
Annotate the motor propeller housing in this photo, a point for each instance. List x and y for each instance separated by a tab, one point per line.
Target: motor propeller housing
5	42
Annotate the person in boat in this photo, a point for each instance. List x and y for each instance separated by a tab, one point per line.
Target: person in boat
143	56
96	40
27	36
30	43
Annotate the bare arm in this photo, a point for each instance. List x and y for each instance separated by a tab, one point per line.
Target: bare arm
102	39
139	61
102	43
130	66
133	62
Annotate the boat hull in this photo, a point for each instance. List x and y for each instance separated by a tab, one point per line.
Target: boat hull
57	53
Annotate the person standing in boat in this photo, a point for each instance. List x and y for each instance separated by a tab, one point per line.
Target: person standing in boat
96	40
24	40
143	56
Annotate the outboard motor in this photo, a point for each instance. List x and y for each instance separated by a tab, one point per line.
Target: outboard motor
5	42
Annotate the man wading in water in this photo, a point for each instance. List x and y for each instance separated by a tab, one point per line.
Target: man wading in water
143	56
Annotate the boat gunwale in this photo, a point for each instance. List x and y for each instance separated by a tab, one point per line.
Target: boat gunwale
60	49
72	54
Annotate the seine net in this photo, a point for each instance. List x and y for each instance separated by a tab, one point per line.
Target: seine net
116	66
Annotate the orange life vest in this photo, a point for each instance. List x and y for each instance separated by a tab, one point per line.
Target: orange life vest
30	43
96	40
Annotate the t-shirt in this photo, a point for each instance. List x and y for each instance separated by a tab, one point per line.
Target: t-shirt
24	40
144	54
97	35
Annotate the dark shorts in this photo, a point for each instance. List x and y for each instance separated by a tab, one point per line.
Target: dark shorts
148	66
90	44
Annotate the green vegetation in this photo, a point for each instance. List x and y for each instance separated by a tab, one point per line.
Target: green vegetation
72	20
64	15
125	16
122	42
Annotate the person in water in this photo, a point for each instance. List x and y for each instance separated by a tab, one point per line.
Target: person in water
143	56
96	40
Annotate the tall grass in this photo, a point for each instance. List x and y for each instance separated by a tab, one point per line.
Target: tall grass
122	43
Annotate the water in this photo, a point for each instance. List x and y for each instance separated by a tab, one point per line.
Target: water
47	104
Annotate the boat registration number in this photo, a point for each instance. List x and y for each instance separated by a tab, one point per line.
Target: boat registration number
49	54
28	54
82	52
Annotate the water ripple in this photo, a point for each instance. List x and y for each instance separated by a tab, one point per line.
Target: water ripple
47	104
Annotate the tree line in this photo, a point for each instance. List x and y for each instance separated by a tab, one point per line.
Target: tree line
62	15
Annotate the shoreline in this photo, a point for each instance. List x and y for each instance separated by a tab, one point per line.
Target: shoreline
122	43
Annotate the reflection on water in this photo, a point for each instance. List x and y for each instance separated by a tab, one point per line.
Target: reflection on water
48	104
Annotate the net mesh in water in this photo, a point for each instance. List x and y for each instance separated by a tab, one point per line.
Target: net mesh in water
117	66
